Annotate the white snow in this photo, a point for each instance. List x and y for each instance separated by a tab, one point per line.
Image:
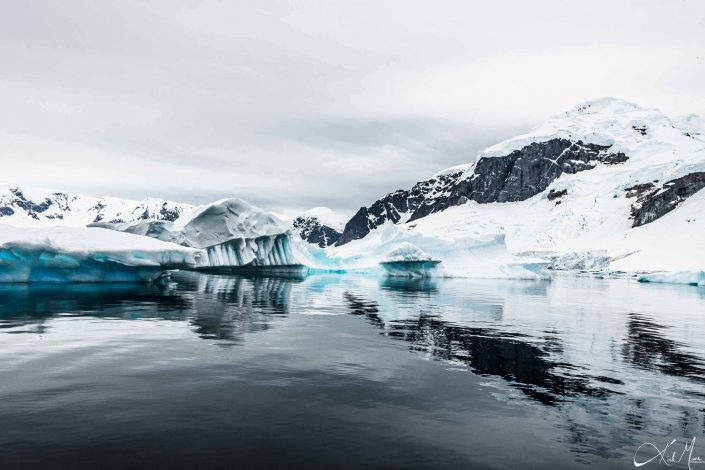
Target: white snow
406	251
77	210
461	255
591	226
326	216
229	219
78	254
211	224
605	121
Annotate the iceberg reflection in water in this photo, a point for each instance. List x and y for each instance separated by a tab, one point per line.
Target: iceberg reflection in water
343	370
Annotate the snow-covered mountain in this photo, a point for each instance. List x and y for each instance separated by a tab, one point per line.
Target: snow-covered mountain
633	146
320	226
605	177
36	207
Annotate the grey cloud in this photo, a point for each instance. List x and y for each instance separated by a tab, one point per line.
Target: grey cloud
295	104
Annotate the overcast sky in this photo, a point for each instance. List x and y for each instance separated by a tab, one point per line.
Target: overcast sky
296	104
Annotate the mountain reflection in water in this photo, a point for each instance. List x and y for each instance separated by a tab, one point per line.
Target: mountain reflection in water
594	367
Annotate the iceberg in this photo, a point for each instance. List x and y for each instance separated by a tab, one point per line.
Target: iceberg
82	254
233	234
237	236
230	219
271	254
408	260
692	278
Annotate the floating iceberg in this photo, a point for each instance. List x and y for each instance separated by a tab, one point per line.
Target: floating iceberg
271	254
239	236
693	278
232	233
231	219
408	260
77	254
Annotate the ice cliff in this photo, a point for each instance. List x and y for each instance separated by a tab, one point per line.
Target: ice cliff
76	254
231	232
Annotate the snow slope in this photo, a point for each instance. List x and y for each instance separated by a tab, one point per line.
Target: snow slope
326	216
584	219
27	206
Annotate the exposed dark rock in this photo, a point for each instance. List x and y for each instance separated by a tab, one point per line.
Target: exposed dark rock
553	194
639	190
653	203
313	231
167	214
56	205
394	205
28	206
640	129
99	207
514	177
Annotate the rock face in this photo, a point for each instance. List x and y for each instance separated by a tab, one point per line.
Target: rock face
517	176
312	230
653	202
396	206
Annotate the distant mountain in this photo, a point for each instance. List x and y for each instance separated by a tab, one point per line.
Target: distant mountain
319	226
600	157
32	206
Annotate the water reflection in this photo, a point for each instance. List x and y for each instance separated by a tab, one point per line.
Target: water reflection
218	307
31	305
646	346
602	404
603	375
486	351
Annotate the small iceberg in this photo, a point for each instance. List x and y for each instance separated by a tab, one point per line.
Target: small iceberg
408	260
692	278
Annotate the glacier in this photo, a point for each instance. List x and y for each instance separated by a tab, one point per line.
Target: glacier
461	255
77	254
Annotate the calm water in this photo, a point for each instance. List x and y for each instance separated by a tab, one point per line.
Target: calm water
349	371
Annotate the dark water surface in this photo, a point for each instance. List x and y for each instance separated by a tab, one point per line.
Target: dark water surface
349	371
